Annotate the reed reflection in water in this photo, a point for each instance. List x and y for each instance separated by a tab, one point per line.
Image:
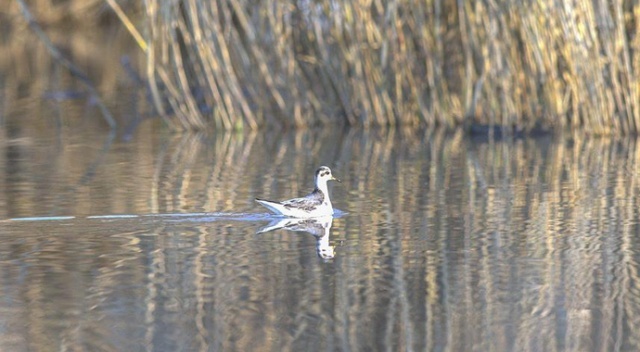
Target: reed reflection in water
449	244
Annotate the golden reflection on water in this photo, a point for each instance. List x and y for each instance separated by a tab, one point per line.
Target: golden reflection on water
450	243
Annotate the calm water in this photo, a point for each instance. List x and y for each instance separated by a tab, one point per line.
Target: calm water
448	244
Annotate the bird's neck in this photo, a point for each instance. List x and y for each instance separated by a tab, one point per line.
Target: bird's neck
322	187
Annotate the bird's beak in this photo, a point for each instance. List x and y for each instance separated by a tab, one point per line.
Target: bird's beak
335	179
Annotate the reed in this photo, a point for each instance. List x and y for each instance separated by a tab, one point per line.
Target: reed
239	64
522	64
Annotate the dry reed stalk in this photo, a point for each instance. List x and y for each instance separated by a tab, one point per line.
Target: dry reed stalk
401	62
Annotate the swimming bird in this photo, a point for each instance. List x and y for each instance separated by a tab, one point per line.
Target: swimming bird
315	204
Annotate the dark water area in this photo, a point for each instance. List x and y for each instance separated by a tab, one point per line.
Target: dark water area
447	243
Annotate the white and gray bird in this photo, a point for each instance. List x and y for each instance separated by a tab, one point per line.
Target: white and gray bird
315	204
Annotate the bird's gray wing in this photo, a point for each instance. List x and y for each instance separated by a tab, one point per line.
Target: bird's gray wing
307	203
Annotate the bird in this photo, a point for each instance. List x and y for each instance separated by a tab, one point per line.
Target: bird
315	204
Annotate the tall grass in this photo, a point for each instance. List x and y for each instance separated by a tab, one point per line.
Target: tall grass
241	64
235	64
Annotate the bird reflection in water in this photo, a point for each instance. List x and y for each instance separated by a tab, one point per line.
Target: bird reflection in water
319	227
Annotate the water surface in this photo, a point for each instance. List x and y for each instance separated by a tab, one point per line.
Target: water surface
448	243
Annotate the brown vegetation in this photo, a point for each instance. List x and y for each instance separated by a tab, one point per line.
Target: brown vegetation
239	64
235	63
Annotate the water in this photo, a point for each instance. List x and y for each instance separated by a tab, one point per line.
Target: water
447	243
